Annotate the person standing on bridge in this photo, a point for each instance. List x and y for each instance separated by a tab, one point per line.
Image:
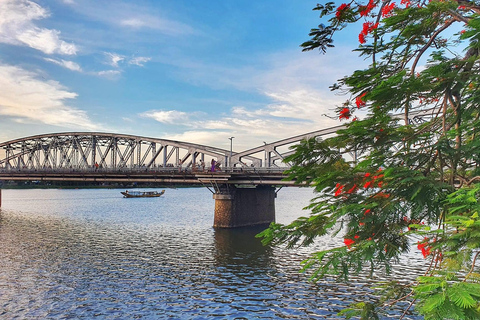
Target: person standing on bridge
202	164
212	169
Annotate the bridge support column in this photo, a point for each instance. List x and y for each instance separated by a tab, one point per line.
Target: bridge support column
240	207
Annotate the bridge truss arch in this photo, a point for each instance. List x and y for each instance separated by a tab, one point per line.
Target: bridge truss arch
82	150
273	154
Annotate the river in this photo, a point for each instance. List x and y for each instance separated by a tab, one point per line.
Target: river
92	254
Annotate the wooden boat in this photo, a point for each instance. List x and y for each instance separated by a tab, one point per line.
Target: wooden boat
141	194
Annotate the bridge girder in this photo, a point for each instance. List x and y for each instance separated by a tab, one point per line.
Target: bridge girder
86	149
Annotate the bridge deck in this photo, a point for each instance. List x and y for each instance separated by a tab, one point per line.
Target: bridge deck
168	176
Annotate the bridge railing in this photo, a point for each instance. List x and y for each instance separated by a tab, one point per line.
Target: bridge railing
145	170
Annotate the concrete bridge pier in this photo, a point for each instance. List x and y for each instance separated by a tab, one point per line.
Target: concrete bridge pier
240	207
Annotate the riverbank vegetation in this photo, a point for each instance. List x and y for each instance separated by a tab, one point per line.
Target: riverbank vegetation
404	175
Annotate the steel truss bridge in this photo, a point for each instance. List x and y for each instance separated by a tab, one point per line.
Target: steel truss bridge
110	157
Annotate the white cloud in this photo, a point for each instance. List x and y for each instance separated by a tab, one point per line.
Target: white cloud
114	59
201	137
141	20
296	87
170	117
136	23
17	27
66	64
109	74
28	99
134	17
139	61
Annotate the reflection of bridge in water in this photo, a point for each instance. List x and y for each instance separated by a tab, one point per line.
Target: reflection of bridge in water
244	188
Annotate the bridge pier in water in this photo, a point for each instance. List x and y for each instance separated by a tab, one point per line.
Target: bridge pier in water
241	207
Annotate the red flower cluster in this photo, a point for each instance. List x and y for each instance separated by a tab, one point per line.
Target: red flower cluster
348	242
345	114
407	3
365	10
368	27
371	182
341	9
424	247
339	189
387	10
359	100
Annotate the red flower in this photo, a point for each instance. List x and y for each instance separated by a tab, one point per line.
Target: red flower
348	242
368	184
361	38
369	27
382	195
341	9
423	246
406	3
359	100
367	211
345	113
365	10
339	189
387	10
352	189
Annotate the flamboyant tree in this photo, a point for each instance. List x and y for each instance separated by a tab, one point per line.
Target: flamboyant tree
406	175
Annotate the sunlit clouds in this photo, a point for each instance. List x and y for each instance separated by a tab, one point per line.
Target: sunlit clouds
66	64
17	27
298	95
171	116
26	98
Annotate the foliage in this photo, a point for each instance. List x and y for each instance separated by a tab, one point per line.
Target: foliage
406	175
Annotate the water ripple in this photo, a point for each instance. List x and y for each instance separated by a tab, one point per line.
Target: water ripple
82	254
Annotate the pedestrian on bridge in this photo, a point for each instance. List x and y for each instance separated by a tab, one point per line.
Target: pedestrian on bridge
212	169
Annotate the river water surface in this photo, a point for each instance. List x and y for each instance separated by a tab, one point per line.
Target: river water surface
91	254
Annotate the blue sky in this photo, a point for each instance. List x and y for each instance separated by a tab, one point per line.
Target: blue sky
196	71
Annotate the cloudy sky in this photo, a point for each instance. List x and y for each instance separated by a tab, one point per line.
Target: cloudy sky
196	71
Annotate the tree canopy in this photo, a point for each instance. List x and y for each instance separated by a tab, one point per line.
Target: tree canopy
404	173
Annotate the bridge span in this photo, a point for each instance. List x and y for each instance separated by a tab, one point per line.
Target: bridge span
244	185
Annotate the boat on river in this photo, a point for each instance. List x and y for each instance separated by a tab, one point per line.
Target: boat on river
142	194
